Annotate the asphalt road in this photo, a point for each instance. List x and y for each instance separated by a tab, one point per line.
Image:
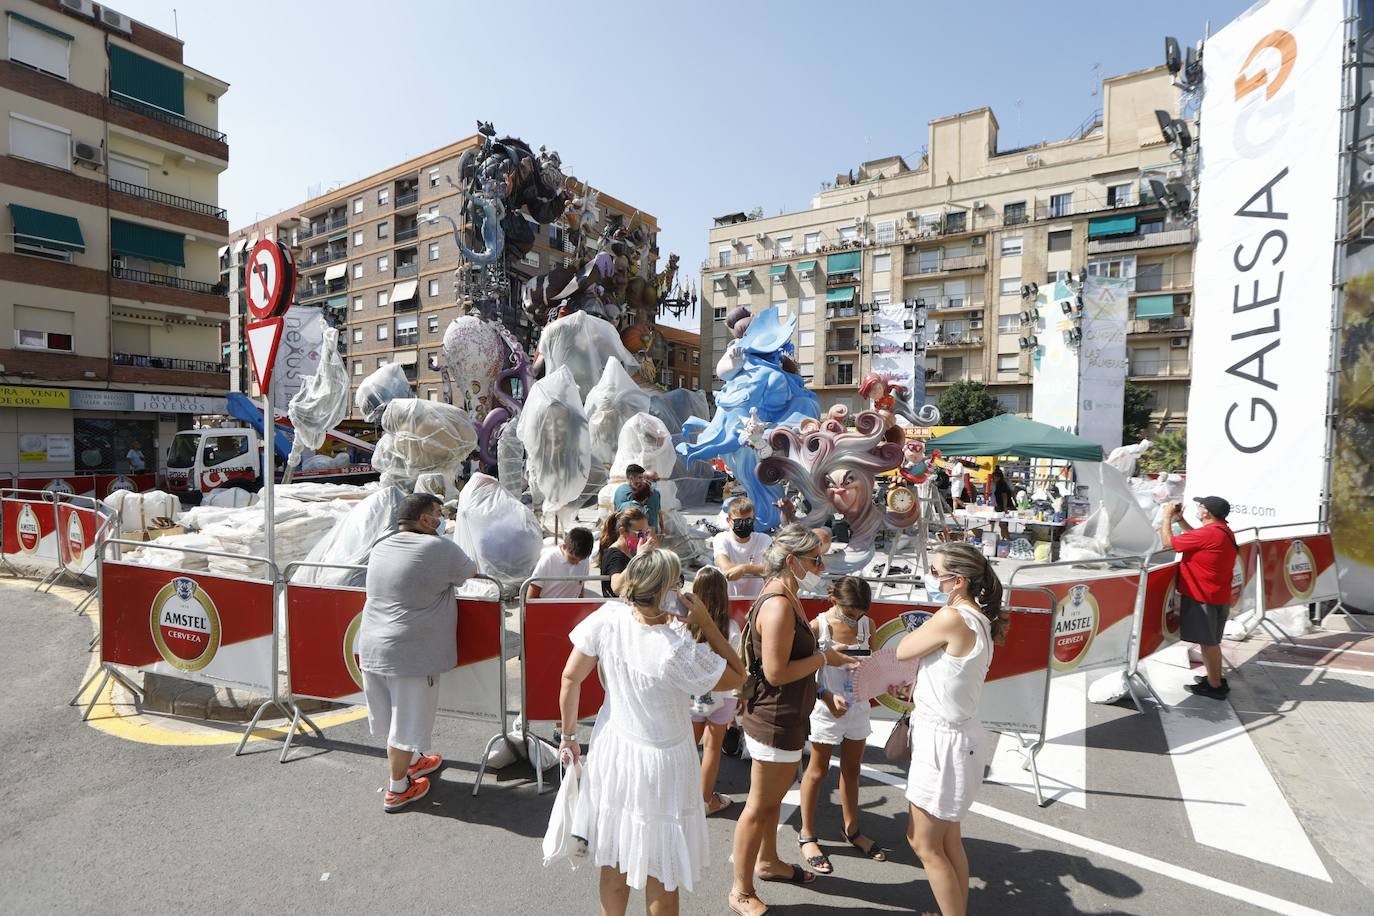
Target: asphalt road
96	823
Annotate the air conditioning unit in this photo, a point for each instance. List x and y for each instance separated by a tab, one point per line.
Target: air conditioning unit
912	216
1178	343
88	153
1033	159
975	323
83	7
978	241
760	236
832	359
116	20
979	204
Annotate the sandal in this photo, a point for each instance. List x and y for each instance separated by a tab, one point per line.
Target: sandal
745	898
821	863
718	803
874	851
799	876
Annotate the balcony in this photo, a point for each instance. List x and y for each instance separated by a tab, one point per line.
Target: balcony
310	290
912	267
954	304
940	377
408	270
1158	368
405	235
321	256
844	279
171	200
327	225
166	362
120	272
1170	325
845	313
1137	241
408	338
407	192
843	344
954	341
167	117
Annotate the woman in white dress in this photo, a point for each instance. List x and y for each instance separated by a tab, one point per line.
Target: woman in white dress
947	740
640	800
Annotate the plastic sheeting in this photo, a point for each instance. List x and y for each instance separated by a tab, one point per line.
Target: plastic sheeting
644	441
610	405
497	531
322	400
137	510
1118	525
381	388
675	407
582	343
510	460
1125	457
422	437
553	428
350	541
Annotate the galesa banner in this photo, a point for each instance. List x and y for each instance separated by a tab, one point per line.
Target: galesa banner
1267	211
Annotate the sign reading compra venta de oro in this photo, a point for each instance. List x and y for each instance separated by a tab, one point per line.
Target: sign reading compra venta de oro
22	396
96	399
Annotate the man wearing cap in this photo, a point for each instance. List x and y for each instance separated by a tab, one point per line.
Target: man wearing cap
1204	583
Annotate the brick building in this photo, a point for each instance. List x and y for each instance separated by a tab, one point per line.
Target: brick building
678	357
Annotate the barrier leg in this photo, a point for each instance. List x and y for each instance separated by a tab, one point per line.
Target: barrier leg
1030	764
102	670
1136	681
1341	608
532	754
253	724
1276	631
81	605
486	758
290	733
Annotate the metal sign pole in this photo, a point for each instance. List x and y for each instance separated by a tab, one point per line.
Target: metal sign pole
269	469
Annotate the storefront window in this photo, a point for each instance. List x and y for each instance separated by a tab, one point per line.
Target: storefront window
115	446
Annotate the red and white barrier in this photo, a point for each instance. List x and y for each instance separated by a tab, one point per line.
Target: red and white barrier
1297	570
28	525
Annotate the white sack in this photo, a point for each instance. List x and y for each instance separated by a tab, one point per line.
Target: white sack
610	404
1125	457
497	531
322	401
381	388
229	498
582	343
553	429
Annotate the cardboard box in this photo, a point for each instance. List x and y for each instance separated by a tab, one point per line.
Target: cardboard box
155	533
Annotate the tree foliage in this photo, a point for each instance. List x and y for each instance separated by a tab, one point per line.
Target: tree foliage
966	403
1136	413
1167	453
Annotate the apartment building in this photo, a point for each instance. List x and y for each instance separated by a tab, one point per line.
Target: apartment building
379	258
678	356
966	232
111	312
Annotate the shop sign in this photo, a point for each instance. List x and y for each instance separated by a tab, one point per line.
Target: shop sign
21	396
85	399
179	403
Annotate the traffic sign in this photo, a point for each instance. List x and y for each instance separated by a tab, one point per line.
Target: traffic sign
263	339
270	277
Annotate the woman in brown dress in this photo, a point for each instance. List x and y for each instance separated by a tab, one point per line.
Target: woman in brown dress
777	715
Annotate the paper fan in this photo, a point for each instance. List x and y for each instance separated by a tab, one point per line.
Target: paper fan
879	671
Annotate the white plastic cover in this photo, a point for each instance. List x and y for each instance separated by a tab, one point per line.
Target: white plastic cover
422	437
582	343
510	459
497	531
610	404
321	402
1125	457
553	428
644	440
381	388
350	541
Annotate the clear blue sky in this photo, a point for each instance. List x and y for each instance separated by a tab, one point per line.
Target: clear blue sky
688	110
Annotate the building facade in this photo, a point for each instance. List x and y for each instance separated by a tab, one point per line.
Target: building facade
111	309
374	259
966	232
678	358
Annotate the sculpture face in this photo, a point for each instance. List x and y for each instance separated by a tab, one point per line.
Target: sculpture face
847	491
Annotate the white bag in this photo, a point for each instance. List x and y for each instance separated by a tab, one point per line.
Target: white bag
559	842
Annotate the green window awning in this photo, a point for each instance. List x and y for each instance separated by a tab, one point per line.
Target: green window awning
777	270
804	266
840	294
42	229
136	77
39	25
1154	307
336	302
137	241
849	262
1110	225
742	274
716	278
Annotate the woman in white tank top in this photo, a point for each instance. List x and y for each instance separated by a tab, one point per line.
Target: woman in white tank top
955	649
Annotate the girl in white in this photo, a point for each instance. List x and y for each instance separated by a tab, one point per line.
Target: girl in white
712	712
640	799
947	740
837	721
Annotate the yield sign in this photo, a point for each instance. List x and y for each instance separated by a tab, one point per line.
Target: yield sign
263	338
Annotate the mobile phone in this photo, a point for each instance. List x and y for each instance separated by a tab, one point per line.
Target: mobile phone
857	653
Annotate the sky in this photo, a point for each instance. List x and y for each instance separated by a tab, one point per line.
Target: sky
686	110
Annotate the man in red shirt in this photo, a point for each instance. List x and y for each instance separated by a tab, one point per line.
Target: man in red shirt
1204	583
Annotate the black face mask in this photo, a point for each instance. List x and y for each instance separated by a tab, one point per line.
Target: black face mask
743	527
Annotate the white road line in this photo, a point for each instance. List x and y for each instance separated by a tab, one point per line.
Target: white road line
1231	799
1306	647
1332	668
1125	856
1063	761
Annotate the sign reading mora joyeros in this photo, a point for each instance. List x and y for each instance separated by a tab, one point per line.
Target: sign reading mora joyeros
27	527
1075	625
1299	570
185	624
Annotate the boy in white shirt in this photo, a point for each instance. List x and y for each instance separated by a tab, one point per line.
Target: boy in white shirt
739	551
567	559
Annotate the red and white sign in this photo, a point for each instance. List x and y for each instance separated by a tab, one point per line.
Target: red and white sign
264	337
76	530
269	276
29	527
1298	570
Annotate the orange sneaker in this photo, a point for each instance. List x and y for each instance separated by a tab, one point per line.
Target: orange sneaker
395	801
427	764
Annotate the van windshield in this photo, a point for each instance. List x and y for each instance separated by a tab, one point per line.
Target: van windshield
182	454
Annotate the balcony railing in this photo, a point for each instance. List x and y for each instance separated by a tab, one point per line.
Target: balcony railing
842	313
323	256
1161	325
1137	241
328	225
408	197
940	377
408	270
405	235
954	340
167	362
1157	368
162	197
407	338
322	289
829	244
119	272
841	343
912	267
168	117
953	303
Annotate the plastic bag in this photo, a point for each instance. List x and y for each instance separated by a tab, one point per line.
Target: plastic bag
381	388
229	498
350	541
553	428
322	401
422	437
610	404
497	531
510	460
582	343
559	842
645	441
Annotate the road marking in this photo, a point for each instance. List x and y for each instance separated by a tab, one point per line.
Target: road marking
1245	812
1334	650
1125	856
1331	668
1063	761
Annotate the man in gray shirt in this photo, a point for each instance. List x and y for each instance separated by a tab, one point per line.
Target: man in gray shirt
408	638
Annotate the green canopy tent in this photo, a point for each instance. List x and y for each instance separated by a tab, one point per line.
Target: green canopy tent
1016	436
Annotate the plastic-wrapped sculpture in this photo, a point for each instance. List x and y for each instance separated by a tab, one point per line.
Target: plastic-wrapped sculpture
581	343
487	368
379	389
497	531
558	448
756	379
321	402
422	437
610	405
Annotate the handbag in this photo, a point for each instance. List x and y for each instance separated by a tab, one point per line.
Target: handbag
559	841
898	746
732	745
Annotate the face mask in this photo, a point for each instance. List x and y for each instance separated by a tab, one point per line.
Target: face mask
673	605
632	541
809	582
442	529
743	527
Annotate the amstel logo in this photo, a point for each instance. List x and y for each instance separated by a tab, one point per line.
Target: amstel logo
76	536
1300	570
58	485
30	534
1237	582
185	625
1287	47
892	632
1075	625
350	655
1170	613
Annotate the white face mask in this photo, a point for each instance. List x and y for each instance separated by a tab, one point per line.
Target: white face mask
673	605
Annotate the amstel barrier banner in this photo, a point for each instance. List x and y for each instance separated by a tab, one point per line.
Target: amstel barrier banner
75	534
97	485
29	527
1159	616
322	630
191	625
1297	570
544	637
1093	621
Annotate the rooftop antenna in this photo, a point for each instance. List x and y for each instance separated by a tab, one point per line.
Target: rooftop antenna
1019	104
176	27
1097	80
